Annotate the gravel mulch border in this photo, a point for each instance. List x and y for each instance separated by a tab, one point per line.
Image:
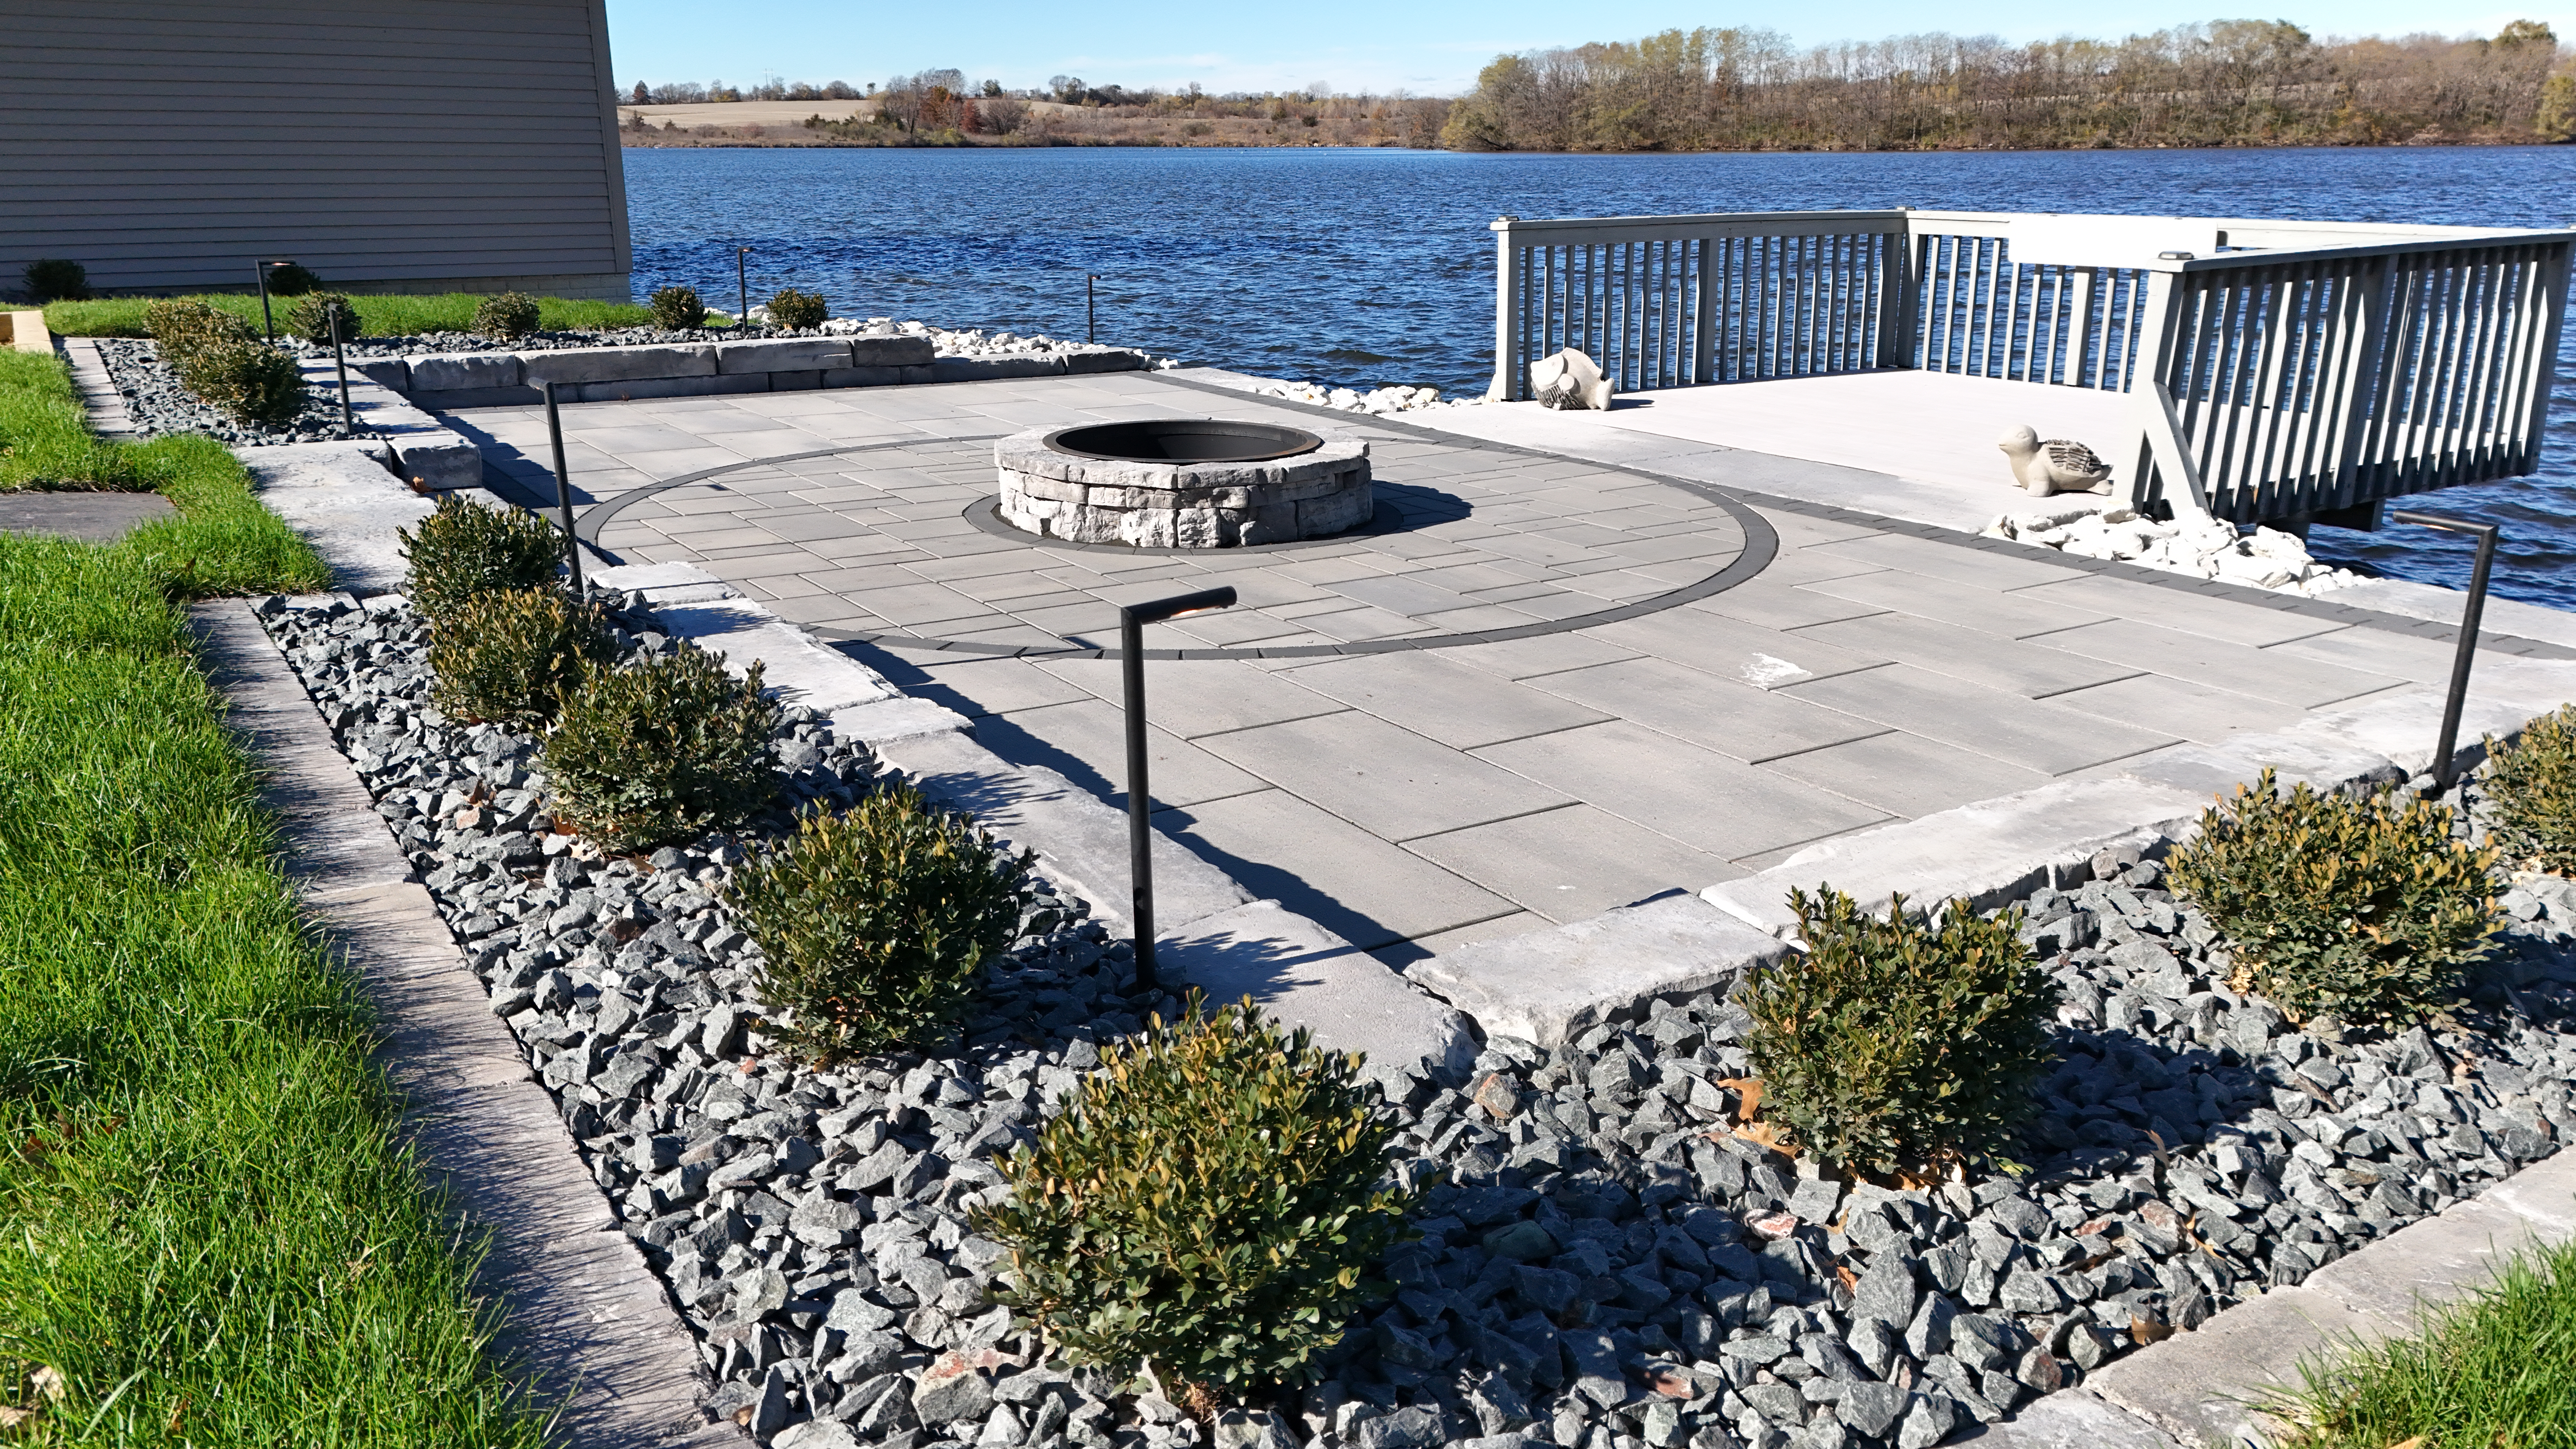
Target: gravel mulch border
1601	1264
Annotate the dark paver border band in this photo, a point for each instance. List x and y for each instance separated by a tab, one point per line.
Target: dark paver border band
1758	536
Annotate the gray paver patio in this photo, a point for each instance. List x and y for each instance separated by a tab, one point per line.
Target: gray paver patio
1413	800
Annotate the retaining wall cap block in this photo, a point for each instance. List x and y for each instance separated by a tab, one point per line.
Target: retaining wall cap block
652	387
648	577
1988	852
620	364
1550	986
796	669
1081	839
455	371
783	354
393	372
2069	1419
900	718
1303	975
985	369
2214	771
342	499
892	352
1115	359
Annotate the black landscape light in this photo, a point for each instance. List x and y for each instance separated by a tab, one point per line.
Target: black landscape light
563	488
340	356
259	274
1132	619
741	287
1091	307
2468	651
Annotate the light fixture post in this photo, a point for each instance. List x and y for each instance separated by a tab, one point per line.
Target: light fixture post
1132	619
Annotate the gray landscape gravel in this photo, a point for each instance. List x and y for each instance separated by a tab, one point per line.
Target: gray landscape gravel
157	403
1601	1263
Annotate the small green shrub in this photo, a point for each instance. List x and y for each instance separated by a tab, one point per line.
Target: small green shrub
798	310
251	381
875	923
182	327
662	751
1208	1204
508	655
52	279
2360	909
466	549
314	318
677	309
293	279
1896	1045
509	316
2531	792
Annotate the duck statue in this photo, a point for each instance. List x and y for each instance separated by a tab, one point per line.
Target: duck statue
2054	466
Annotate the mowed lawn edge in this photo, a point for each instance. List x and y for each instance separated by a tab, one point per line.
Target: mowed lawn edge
211	1229
379	315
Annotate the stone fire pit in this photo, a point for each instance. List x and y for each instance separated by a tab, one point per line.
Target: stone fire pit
1184	483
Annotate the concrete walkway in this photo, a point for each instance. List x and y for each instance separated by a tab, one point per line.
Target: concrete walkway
1555	686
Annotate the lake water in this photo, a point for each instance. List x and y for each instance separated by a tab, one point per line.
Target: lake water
1366	267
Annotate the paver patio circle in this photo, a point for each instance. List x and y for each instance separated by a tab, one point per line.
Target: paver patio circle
1759	545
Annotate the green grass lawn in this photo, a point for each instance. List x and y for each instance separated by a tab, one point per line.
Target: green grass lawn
2496	1371
207	1225
388	316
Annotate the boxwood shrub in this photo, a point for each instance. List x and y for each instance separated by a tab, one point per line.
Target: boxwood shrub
661	751
1899	1045
2354	907
467	548
249	380
508	655
677	308
799	310
2531	793
508	316
1209	1204
314	317
54	279
181	327
876	923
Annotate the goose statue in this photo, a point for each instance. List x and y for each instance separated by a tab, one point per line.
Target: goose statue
2054	466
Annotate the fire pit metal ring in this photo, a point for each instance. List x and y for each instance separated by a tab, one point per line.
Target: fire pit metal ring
1184	483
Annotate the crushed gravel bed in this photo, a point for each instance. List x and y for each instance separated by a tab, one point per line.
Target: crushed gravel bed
157	403
1601	1263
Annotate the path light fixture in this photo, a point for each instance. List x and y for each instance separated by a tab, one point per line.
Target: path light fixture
2468	651
340	358
259	274
563	489
1091	306
741	287
1132	619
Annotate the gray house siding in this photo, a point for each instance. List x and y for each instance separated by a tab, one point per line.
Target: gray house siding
457	145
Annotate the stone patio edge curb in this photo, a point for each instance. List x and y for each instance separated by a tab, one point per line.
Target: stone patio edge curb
588	1324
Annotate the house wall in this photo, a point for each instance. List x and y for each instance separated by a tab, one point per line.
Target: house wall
389	145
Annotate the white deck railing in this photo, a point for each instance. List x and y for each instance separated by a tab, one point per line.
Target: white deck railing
2290	368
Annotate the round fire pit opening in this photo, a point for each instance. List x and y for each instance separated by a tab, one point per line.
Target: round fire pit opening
1184	483
1183	440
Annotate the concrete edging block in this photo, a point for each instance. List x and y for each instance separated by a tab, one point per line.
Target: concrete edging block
425	448
796	670
985	369
783	354
585	1318
1987	852
1551	986
1302	975
900	718
618	364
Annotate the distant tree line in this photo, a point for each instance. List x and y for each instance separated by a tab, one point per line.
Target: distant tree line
2227	83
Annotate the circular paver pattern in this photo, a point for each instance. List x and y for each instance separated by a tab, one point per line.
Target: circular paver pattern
1473	545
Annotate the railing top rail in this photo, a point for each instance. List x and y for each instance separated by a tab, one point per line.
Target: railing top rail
2152	243
1550	230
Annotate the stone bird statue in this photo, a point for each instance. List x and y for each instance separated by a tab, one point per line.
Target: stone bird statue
2054	466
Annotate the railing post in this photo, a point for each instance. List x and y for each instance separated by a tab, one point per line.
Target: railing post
1704	313
2543	372
1900	284
2157	431
1507	315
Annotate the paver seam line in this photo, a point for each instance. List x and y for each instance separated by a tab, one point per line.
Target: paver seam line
2240	593
590	1321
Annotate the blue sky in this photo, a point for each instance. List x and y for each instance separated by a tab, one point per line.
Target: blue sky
1429	47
